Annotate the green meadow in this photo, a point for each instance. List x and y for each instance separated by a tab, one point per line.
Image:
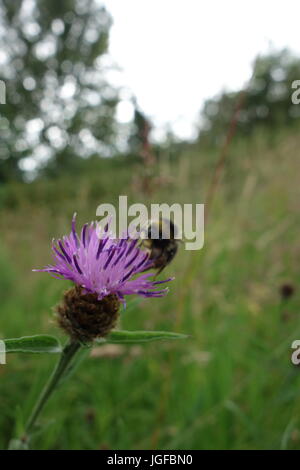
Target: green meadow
231	383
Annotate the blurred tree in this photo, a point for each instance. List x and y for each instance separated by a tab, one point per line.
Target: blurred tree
267	100
59	105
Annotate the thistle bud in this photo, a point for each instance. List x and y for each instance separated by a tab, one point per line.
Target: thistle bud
83	317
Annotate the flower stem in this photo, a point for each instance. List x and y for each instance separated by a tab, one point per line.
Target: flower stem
62	366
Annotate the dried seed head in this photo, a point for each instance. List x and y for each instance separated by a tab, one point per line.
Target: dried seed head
84	317
286	291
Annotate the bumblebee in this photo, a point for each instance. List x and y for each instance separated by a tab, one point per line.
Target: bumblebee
159	238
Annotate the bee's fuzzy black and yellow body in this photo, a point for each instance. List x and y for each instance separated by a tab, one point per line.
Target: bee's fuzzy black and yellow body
161	243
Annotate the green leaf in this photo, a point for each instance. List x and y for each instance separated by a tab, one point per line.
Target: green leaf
139	336
33	344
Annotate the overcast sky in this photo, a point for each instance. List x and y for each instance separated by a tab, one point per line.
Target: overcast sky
175	53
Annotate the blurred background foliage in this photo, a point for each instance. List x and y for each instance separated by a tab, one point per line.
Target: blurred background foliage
231	385
59	105
61	109
267	100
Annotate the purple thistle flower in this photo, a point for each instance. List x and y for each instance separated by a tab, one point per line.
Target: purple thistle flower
103	265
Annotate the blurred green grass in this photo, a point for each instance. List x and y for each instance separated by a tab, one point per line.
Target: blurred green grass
231	385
